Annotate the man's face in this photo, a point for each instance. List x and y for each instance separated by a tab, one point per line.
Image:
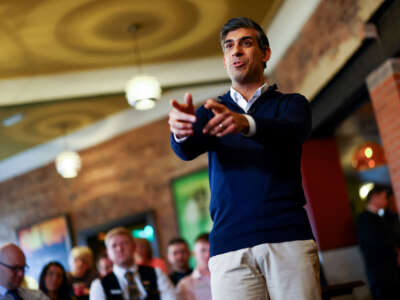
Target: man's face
105	266
12	275
382	200
178	257
202	253
243	58
120	249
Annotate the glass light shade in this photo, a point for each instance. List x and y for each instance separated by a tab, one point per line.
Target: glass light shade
365	189
68	164
143	91
369	155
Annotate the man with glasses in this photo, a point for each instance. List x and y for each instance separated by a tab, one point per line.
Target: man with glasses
12	270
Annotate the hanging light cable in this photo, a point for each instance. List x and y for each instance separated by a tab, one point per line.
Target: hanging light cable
142	91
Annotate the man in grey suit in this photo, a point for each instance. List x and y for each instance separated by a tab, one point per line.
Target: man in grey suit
12	270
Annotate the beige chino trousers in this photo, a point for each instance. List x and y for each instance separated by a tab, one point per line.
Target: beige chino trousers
275	271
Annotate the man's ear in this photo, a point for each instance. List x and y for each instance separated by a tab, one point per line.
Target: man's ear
267	54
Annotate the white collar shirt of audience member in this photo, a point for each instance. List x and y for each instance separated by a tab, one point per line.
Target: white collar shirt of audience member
194	287
165	287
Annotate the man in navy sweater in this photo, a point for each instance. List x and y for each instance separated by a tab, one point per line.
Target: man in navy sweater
261	244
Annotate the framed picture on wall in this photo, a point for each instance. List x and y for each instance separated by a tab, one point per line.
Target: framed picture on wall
191	194
45	241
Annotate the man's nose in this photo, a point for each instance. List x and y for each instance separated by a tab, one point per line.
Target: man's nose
237	50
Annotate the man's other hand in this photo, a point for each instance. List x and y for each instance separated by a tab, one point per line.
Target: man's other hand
224	121
182	117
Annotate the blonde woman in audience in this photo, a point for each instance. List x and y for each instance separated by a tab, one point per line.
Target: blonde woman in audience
82	272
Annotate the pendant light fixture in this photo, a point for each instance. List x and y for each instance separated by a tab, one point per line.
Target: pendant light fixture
142	91
68	163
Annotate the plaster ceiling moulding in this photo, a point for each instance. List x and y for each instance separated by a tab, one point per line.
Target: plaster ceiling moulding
13	59
43	121
103	34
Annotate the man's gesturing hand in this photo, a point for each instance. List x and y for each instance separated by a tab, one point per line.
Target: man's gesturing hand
182	117
224	121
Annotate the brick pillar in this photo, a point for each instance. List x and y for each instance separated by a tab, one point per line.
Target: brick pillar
328	205
384	88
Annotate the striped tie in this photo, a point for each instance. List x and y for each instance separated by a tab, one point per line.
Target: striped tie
133	290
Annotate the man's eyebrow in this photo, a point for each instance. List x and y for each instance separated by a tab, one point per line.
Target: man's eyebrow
246	37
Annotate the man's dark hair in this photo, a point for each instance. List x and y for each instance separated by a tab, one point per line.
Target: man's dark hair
177	240
377	189
242	22
204	237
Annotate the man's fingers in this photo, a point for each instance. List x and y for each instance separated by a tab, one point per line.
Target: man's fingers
230	129
179	116
215	106
214	122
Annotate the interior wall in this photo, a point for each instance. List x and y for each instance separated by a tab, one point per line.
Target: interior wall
124	176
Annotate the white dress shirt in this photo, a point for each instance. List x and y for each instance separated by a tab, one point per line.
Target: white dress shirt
246	105
243	104
165	287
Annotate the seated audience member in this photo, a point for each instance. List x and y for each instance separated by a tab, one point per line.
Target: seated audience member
196	286
378	246
129	281
178	257
53	282
82	272
12	270
104	265
144	256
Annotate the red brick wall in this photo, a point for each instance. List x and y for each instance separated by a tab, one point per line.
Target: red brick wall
124	176
384	87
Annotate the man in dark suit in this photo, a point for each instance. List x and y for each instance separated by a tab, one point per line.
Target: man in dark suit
378	246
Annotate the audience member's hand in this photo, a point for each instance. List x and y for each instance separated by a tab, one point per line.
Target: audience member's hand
182	117
224	121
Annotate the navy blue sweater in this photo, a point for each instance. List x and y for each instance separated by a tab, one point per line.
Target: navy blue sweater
256	187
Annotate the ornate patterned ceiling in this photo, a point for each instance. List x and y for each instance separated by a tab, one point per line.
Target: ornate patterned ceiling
51	37
47	36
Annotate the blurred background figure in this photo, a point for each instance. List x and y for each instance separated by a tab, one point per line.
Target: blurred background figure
196	286
379	247
82	272
144	256
104	265
53	282
178	258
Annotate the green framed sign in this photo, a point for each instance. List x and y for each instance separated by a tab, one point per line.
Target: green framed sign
191	194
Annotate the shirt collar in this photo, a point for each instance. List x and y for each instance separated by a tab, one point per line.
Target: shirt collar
242	102
120	272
